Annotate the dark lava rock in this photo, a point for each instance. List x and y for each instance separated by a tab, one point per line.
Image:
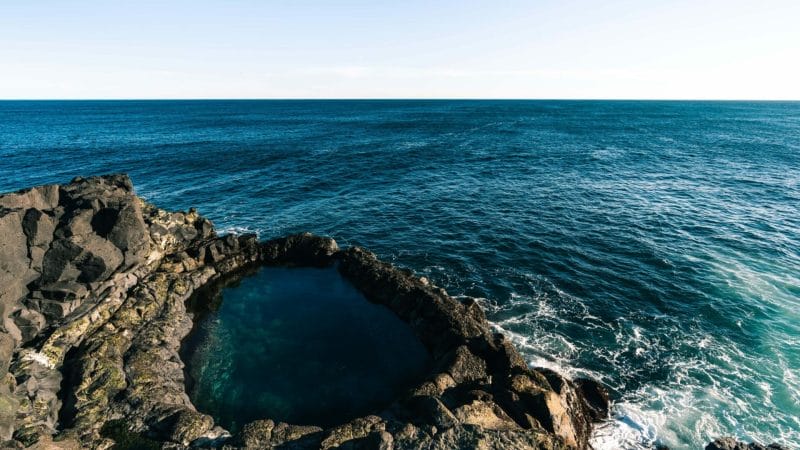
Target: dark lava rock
93	286
729	443
302	249
596	397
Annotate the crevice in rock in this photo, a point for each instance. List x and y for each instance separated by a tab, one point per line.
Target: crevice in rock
70	377
125	439
104	220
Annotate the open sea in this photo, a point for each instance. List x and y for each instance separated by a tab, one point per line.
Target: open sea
652	245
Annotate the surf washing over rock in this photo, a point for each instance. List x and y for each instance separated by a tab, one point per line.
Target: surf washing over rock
93	285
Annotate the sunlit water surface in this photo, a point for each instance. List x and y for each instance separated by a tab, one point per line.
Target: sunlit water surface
653	245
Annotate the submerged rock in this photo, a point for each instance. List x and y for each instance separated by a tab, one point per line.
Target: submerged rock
93	286
729	443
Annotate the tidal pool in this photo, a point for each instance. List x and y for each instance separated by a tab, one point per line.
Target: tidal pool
297	345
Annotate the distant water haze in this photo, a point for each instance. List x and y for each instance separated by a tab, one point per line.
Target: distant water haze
652	245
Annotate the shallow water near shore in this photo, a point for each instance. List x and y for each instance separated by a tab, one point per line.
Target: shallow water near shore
301	346
653	245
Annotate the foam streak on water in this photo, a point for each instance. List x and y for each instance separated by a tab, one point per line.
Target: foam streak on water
651	244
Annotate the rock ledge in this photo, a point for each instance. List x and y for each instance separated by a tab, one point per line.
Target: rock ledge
93	285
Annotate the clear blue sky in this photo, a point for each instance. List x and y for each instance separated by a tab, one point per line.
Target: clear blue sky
386	49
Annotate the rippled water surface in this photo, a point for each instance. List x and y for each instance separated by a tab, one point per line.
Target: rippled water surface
655	245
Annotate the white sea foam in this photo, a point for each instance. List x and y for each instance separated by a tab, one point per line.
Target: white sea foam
238	230
700	400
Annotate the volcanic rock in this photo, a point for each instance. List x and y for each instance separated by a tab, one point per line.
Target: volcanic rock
93	289
729	443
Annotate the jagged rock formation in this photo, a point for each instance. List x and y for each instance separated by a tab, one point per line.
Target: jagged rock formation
729	443
93	285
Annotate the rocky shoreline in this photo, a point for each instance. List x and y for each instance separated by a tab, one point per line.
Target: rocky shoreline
93	289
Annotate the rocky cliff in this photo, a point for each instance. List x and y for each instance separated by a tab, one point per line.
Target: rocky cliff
93	285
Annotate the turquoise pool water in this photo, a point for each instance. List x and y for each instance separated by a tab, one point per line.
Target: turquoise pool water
301	346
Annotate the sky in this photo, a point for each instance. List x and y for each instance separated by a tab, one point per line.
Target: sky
645	49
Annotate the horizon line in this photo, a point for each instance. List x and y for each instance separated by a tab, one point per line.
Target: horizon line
587	99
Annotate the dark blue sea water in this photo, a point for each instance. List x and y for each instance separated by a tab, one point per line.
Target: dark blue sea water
654	245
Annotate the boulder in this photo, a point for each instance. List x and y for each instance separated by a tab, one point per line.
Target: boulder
58	262
596	398
40	197
302	249
255	434
6	351
8	412
476	437
268	434
15	271
129	233
38	226
29	322
729	443
426	409
184	426
353	430
376	440
464	367
485	414
83	259
14	262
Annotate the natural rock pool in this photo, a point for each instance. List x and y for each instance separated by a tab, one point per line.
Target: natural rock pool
298	345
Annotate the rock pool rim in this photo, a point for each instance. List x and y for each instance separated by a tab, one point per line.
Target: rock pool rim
306	250
326	330
465	353
104	321
95	330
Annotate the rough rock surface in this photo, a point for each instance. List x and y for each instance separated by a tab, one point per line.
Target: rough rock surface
93	285
729	443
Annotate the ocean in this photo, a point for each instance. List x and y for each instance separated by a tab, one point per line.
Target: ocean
652	245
